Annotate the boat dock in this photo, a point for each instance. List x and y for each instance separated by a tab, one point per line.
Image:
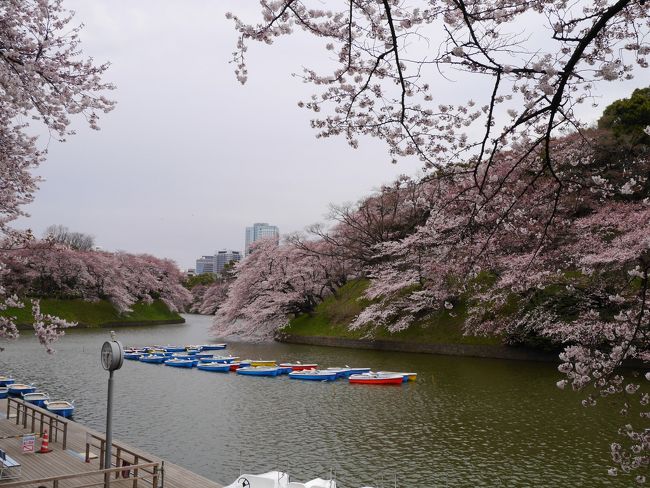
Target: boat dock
76	457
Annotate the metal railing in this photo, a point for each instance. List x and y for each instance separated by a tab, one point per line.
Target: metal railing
37	419
127	462
102	477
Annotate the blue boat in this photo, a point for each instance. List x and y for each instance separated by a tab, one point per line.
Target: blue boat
4	392
347	371
180	363
133	356
217	367
37	398
152	358
191	352
174	348
213	347
17	389
6	380
285	369
204	355
259	371
314	375
61	407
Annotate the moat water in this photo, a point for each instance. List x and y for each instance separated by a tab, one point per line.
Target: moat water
466	422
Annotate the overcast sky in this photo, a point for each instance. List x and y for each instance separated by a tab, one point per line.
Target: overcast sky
189	157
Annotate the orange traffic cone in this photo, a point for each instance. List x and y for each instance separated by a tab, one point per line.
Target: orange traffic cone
44	444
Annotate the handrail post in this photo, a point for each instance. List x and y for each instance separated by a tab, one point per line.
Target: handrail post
65	435
136	461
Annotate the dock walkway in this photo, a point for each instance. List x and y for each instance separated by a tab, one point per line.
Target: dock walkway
80	444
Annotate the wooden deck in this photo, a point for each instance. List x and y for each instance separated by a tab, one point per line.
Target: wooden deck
60	462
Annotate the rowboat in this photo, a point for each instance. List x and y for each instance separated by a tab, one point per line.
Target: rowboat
285	369
181	363
152	358
259	371
4	392
17	389
298	366
313	375
216	367
263	362
347	371
234	366
134	356
213	347
61	407
6	380
36	398
169	348
377	379
225	359
407	376
204	355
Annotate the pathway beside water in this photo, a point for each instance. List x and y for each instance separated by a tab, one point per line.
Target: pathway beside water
466	422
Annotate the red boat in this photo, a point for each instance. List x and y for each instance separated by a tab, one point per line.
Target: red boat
377	379
234	366
298	366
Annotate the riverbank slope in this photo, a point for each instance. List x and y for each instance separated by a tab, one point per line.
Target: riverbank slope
97	314
328	325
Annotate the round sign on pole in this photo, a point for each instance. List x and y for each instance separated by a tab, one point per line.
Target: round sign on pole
112	355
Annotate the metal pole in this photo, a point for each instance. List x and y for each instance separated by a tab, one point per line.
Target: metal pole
109	423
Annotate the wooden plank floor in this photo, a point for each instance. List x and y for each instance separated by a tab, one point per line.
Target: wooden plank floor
59	462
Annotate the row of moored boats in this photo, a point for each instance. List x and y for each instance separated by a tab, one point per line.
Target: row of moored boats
202	357
29	393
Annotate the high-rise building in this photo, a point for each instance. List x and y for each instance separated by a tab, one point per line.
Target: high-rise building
223	257
205	264
260	230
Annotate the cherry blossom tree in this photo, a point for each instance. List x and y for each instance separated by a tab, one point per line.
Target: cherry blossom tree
276	282
44	78
523	190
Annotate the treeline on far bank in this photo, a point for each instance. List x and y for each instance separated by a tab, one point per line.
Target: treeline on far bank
74	281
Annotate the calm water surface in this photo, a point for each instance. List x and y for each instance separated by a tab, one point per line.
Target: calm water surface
465	423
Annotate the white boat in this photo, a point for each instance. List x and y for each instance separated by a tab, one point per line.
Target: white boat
277	479
272	479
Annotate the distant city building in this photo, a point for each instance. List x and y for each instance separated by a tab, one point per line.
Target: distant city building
223	257
216	263
260	230
205	264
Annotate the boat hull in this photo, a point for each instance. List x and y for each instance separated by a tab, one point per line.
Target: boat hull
64	409
313	377
5	381
4	392
366	379
19	389
299	367
213	347
215	367
180	363
261	362
259	371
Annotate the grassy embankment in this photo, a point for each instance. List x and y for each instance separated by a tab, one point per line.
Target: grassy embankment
332	317
97	314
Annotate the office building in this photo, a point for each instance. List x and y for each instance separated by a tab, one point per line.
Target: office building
260	230
223	257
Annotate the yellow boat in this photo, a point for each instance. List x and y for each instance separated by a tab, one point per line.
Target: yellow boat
262	362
